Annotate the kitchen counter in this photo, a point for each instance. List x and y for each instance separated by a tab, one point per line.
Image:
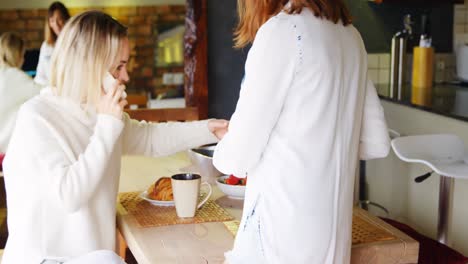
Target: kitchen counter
450	100
207	242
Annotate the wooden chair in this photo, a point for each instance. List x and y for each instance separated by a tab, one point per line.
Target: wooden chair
165	114
121	245
141	101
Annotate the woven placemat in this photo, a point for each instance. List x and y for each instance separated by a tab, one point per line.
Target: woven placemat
363	231
148	215
366	232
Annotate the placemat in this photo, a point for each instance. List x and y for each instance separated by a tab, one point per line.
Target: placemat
366	232
148	215
363	231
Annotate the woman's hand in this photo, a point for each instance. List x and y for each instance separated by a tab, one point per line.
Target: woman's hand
111	103
219	127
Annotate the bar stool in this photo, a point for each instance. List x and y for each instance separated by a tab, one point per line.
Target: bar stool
445	155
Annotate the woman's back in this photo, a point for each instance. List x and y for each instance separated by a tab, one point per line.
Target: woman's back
316	139
304	99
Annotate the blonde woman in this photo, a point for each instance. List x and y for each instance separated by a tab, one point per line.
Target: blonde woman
63	164
307	112
16	87
57	16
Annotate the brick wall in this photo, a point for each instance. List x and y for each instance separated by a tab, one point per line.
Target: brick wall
28	23
142	29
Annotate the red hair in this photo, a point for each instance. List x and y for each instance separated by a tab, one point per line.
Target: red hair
253	13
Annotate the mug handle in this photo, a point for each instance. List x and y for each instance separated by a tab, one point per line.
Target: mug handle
207	196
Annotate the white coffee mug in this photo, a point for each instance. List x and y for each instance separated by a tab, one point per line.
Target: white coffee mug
186	189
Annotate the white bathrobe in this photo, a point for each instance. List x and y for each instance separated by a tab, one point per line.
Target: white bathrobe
43	65
62	173
307	112
16	87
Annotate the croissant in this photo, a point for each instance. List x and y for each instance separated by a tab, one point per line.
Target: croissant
161	190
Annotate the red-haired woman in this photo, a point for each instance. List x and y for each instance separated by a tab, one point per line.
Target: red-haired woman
307	113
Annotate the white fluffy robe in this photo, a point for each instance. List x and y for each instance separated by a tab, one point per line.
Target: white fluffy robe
306	113
62	173
43	65
16	87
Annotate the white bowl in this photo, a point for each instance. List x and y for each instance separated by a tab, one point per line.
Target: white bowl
232	191
202	159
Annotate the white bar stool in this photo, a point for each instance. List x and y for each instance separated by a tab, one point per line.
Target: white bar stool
445	155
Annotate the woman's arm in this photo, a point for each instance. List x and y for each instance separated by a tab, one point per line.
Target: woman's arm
161	139
375	140
270	69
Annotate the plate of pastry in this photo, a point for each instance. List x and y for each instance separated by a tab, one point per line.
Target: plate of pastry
160	193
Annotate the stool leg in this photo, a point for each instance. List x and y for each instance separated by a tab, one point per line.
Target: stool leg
445	209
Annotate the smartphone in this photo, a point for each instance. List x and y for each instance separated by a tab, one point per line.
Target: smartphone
109	81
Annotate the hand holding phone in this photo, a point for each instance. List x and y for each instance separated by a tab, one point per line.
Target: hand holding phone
112	104
110	81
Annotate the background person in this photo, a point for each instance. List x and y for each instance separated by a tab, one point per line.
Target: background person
57	16
16	87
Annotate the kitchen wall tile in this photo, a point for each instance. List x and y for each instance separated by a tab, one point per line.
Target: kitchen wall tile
374	75
384	76
451	62
460	39
466	17
460	16
451	74
466	29
460	19
384	61
372	61
459	29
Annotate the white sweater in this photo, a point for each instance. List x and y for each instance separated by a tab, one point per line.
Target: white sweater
62	173
306	113
16	87
43	65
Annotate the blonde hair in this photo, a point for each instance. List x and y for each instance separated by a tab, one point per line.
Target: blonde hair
86	49
253	13
49	34
11	50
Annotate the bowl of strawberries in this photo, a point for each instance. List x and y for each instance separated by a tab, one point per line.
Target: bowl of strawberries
232	186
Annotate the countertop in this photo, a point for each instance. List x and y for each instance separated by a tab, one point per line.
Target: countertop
450	100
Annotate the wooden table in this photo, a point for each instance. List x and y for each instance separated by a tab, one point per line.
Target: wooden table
206	243
197	243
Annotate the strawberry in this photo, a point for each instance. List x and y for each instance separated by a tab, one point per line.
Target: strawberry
232	180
